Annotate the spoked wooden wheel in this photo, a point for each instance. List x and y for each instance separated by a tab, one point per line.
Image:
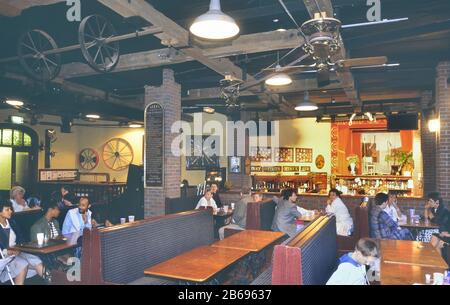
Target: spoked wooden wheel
94	35
88	159
36	57
117	154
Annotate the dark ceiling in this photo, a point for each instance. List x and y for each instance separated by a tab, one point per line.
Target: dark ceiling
417	44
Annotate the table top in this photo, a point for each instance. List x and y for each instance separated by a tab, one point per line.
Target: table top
222	213
411	253
421	225
400	274
309	218
197	265
251	240
70	241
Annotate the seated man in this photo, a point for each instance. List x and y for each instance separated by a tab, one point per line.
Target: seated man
78	219
286	213
48	224
206	200
352	266
24	265
382	225
239	218
18	201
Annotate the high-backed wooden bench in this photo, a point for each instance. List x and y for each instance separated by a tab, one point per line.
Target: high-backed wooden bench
309	258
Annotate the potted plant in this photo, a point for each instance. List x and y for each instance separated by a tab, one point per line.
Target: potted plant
406	162
394	157
402	161
352	161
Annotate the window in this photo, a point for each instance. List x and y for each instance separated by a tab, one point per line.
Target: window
16	138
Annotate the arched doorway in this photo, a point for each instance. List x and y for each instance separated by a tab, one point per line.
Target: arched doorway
18	157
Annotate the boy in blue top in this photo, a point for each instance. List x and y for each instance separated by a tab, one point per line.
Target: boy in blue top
352	267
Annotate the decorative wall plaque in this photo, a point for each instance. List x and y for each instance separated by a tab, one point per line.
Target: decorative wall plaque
284	154
291	168
306	169
303	155
320	161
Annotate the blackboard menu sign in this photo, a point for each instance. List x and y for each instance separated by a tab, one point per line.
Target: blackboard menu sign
154	145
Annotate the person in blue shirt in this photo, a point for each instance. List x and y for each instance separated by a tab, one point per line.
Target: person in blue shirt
352	266
78	219
382	225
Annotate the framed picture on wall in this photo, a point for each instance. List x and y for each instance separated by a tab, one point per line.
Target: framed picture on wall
235	165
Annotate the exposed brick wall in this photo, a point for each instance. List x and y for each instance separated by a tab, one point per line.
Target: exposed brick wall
443	137
169	96
428	143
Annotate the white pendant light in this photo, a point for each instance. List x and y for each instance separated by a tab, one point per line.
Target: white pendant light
214	24
279	79
306	104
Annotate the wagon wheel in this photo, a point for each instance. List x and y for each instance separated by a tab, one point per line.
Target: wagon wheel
88	159
117	154
30	50
94	34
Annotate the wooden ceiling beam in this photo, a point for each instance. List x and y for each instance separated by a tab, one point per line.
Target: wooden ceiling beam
175	35
12	8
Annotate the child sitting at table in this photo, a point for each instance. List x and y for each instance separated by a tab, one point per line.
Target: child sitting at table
352	266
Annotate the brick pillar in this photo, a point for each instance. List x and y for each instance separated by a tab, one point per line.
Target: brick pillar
243	179
428	144
169	96
443	136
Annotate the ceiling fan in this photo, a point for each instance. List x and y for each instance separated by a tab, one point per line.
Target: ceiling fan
322	43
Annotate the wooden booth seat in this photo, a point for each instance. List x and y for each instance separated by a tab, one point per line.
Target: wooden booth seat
119	255
347	244
259	216
309	258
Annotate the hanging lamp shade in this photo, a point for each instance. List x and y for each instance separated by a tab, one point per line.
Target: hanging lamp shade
214	24
279	79
306	104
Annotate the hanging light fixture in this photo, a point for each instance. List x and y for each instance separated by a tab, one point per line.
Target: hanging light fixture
279	79
434	125
214	24
306	104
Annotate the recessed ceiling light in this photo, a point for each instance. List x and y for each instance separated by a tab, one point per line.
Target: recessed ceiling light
209	110
14	103
276	20
92	116
134	125
281	30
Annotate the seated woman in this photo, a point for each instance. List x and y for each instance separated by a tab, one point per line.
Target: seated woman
438	214
382	225
206	200
344	222
24	265
18	201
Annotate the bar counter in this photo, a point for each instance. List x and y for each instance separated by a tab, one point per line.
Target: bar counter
318	201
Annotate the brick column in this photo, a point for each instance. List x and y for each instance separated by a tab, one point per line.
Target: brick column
169	96
443	136
428	144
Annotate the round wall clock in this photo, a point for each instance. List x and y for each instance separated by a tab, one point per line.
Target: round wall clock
320	161
117	154
88	159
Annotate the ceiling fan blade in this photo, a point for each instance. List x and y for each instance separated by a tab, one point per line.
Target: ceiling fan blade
365	61
323	78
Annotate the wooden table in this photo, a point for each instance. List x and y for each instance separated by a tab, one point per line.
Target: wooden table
414	253
308	218
250	240
32	247
197	265
400	274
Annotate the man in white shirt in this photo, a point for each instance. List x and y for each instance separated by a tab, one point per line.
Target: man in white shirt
206	200
392	208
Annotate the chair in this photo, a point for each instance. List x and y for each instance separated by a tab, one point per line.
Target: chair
361	229
4	266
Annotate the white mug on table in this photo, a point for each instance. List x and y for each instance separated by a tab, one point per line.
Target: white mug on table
40	238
